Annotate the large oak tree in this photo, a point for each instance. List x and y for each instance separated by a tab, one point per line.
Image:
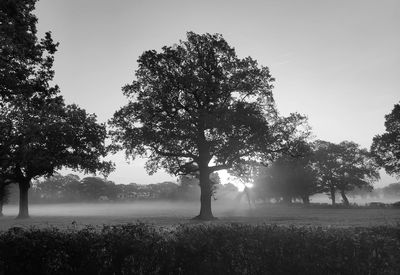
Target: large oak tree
196	108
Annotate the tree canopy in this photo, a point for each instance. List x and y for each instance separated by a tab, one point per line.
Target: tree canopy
386	147
26	61
196	107
42	140
343	167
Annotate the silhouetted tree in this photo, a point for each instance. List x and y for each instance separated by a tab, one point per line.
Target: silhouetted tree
39	132
386	147
48	138
325	158
344	166
198	108
356	168
290	177
25	68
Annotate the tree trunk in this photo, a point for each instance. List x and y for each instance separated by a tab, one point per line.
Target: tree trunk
205	197
205	204
306	199
345	200
333	196
3	195
24	186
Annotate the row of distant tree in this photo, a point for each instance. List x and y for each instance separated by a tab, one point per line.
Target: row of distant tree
391	191
319	167
70	188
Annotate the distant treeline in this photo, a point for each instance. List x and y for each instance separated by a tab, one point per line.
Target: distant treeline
392	191
71	188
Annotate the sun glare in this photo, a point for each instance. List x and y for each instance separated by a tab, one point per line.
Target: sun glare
226	178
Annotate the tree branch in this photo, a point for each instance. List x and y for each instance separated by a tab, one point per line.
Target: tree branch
171	154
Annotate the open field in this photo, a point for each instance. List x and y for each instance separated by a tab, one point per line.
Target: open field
170	214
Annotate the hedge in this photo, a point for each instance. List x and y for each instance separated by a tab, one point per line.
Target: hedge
201	249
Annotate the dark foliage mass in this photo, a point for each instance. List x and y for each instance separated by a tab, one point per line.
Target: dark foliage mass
344	166
201	249
39	132
26	61
386	147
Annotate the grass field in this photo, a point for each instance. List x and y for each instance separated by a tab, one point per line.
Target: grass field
171	214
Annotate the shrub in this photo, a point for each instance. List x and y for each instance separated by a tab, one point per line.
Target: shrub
201	249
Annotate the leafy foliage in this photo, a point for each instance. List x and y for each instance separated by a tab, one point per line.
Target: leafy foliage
343	167
26	62
357	168
200	249
386	147
44	139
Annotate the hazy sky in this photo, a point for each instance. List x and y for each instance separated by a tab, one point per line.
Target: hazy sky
335	61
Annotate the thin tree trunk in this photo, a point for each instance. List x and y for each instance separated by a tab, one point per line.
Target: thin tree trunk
3	195
345	199
333	196
306	199
23	199
248	195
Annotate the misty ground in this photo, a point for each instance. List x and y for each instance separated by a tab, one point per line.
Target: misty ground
170	214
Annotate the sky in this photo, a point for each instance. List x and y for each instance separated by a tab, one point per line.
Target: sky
338	62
